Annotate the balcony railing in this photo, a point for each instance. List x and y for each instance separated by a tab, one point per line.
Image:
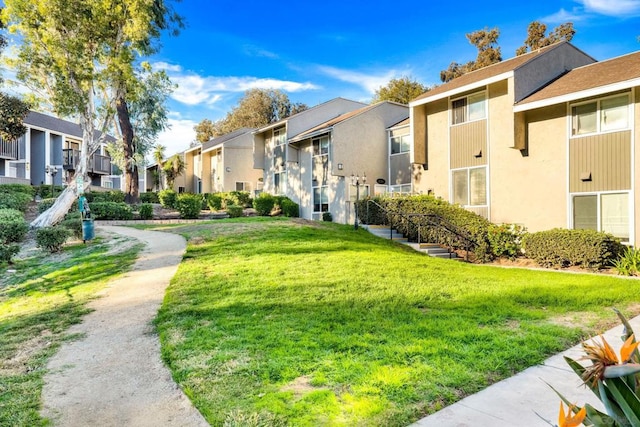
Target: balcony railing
8	149
98	163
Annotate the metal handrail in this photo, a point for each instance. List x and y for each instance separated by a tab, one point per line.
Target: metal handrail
432	220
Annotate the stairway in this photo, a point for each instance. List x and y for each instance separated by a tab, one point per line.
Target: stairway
431	249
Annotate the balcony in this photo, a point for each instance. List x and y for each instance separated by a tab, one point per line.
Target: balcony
8	149
98	164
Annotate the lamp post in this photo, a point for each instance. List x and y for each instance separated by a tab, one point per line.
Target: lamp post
51	170
357	181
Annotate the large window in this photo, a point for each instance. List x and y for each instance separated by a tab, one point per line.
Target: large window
280	182
608	212
469	108
279	135
400	144
320	172
469	186
604	115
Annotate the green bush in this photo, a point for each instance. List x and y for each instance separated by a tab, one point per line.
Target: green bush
369	211
189	205
214	202
44	191
8	251
168	198
74	225
115	196
289	208
326	216
45	204
149	197
145	211
51	238
234	211
628	264
564	248
13	227
243	198
18	188
18	201
506	240
263	204
110	211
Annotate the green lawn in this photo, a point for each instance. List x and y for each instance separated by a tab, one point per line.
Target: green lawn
38	303
283	322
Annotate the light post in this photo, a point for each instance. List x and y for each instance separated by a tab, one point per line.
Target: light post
357	181
51	170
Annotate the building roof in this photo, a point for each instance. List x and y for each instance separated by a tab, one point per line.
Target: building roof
223	138
326	126
491	71
610	75
55	124
402	123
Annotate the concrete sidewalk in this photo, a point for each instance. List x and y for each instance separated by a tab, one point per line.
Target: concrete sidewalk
516	400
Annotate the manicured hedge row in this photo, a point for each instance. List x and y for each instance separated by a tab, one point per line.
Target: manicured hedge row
18	200
564	248
115	196
110	210
18	188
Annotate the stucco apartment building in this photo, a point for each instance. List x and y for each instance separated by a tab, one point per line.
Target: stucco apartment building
546	139
50	143
311	156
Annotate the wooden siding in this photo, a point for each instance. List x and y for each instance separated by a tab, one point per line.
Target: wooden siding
606	157
467	140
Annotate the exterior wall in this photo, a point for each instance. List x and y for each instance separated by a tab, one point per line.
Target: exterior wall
468	144
399	164
320	114
206	172
238	167
635	147
190	175
433	137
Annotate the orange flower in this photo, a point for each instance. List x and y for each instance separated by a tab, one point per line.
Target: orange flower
601	356
627	349
571	420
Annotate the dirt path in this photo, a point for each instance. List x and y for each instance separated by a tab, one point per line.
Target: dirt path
114	376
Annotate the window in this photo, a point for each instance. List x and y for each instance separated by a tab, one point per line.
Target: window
604	115
280	182
319	174
468	109
469	186
400	189
608	212
400	144
240	186
279	136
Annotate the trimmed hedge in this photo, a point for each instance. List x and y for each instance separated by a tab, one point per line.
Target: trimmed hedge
564	248
289	208
19	201
115	196
52	238
234	211
110	210
18	188
145	211
214	202
168	198
13	227
149	197
8	251
189	205
264	204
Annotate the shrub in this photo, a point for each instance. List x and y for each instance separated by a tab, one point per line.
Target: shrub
51	238
13	227
74	225
8	251
168	198
629	262
18	188
506	239
370	212
289	208
149	197
326	216
45	204
263	204
234	211
145	211
189	205
115	196
19	201
243	198
111	211
564	248
214	202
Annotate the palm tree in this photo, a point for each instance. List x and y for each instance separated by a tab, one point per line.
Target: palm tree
158	156
173	168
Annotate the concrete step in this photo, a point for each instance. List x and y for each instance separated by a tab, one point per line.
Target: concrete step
431	249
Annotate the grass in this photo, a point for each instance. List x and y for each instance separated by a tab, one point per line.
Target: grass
38	303
285	322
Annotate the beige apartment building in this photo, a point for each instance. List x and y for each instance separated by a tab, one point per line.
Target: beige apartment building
546	139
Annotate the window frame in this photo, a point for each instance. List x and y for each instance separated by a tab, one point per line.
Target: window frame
280	188
598	195
599	111
400	144
320	148
454	121
281	138
452	194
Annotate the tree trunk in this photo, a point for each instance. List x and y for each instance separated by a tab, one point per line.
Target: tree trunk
132	192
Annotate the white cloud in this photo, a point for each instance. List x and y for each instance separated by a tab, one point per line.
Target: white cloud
620	8
563	16
194	89
178	136
370	82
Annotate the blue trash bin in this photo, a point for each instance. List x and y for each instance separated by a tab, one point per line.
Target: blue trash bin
87	229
